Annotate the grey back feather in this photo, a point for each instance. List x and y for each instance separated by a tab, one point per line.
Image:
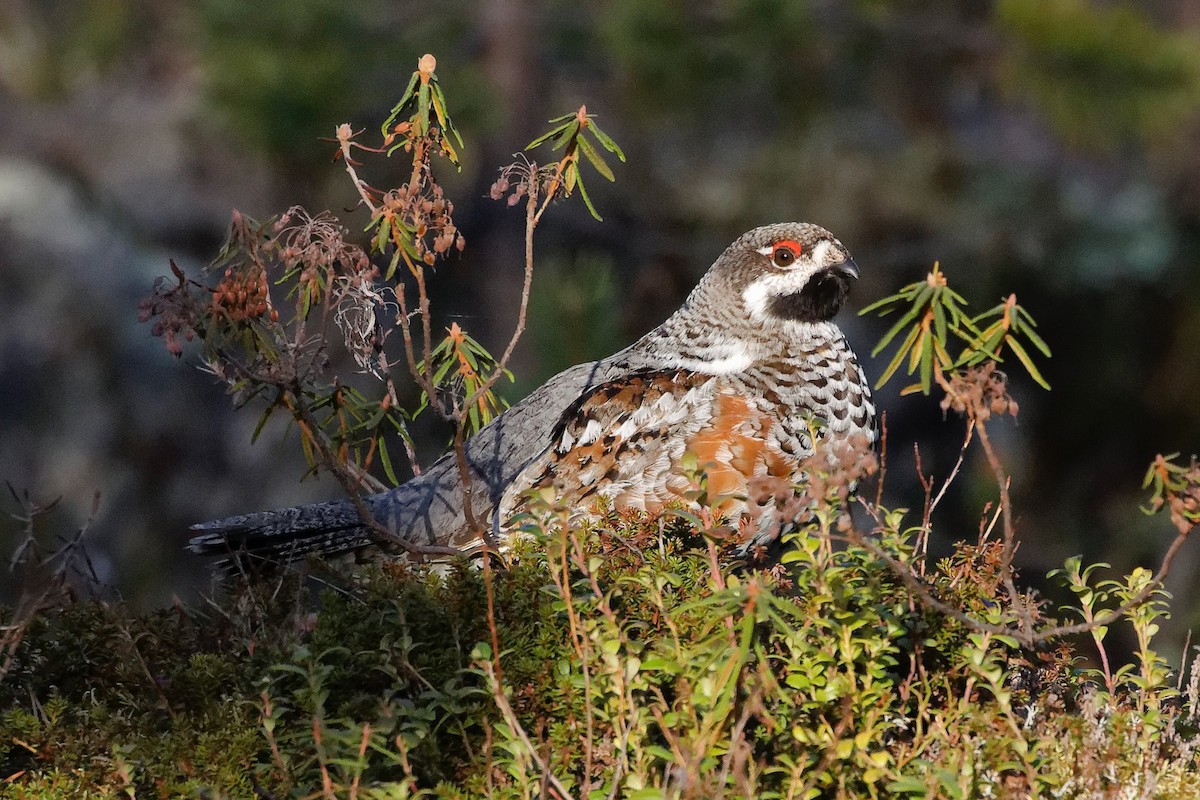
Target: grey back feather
427	510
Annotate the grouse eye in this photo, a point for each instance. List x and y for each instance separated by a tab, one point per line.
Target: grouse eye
784	254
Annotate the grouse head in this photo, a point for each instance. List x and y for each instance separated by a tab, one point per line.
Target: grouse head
774	286
789	272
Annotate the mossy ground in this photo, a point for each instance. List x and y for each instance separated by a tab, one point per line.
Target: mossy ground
628	666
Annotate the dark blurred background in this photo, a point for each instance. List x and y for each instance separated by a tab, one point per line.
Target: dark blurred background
1046	147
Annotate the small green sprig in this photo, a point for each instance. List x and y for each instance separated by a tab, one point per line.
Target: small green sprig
935	317
569	133
423	103
463	364
1009	321
934	312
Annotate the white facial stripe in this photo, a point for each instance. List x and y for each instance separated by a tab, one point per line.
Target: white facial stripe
821	252
758	294
766	251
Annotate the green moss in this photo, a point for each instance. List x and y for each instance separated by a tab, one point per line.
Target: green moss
626	666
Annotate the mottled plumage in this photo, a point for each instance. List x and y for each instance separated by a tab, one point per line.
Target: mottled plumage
738	381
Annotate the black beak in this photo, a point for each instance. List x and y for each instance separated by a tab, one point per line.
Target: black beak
847	268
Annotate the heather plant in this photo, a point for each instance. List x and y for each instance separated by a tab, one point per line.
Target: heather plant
629	656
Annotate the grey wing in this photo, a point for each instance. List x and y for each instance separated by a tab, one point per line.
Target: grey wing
427	510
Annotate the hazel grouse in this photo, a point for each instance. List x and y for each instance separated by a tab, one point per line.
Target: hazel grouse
742	381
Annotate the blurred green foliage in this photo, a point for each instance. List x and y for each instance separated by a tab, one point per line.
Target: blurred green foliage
284	72
1103	74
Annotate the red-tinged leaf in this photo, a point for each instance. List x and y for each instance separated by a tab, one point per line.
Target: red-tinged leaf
943	356
914	355
570	177
439	107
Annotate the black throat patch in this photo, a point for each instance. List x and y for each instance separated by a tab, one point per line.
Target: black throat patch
818	301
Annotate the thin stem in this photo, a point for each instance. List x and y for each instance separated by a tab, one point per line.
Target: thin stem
514	724
531	222
1007	527
962	452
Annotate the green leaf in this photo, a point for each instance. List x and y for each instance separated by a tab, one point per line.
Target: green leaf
605	140
895	329
595	159
565	135
539	140
985	346
927	364
391	270
570	176
440	375
939	321
890	299
914	355
399	107
439	107
1023	357
422	120
1036	341
588	201
898	358
386	460
943	357
262	421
